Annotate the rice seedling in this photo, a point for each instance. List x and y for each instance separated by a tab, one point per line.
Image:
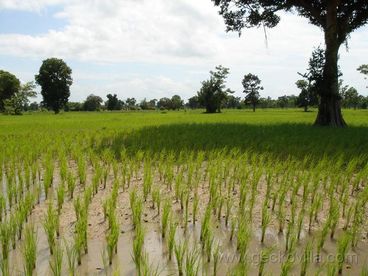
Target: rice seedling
232	228
205	225
156	199
71	255
306	258
4	266
192	262
105	174
147	268
264	257
56	260
216	258
96	179
112	237
333	217
243	236
165	217
147	181
265	221
71	184
2	207
171	237
186	211
60	195
219	212
82	169
5	234
364	271
50	226
138	247
342	249
195	207
208	243
29	250
322	237
180	251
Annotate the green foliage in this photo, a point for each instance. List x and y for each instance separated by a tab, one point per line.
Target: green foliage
54	77
9	86
252	86
213	92
19	102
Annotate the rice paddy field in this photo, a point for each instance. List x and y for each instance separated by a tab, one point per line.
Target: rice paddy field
183	193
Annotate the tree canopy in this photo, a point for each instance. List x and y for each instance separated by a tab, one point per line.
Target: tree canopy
20	100
9	85
252	86
92	103
55	79
336	18
214	92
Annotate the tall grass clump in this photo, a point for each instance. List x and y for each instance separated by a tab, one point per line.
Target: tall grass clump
29	250
165	217
342	250
192	262
56	260
138	254
112	237
264	258
5	235
50	224
171	237
180	250
71	255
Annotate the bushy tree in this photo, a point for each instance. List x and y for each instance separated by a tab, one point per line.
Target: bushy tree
164	103
113	103
9	85
232	102
252	86
148	105
20	100
304	99
351	98
131	103
92	103
74	106
214	92
55	79
193	102
337	18
313	80
176	102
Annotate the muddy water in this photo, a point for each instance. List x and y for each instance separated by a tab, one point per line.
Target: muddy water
155	246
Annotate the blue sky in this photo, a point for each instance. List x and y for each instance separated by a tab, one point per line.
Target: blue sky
157	48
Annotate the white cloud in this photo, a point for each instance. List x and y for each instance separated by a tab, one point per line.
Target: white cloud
180	32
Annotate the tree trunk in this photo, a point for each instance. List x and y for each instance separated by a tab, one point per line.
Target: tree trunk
329	112
306	108
254	107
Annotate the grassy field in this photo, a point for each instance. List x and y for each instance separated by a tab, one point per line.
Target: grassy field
183	193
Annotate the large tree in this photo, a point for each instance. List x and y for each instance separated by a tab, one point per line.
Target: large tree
337	19
9	86
213	91
252	86
55	79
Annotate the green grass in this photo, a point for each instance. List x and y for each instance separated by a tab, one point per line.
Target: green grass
229	155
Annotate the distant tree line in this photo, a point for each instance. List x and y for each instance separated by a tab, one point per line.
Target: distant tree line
55	79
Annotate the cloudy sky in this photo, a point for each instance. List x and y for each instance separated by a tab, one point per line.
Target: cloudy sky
155	48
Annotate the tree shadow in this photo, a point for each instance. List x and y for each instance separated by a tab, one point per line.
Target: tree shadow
280	140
